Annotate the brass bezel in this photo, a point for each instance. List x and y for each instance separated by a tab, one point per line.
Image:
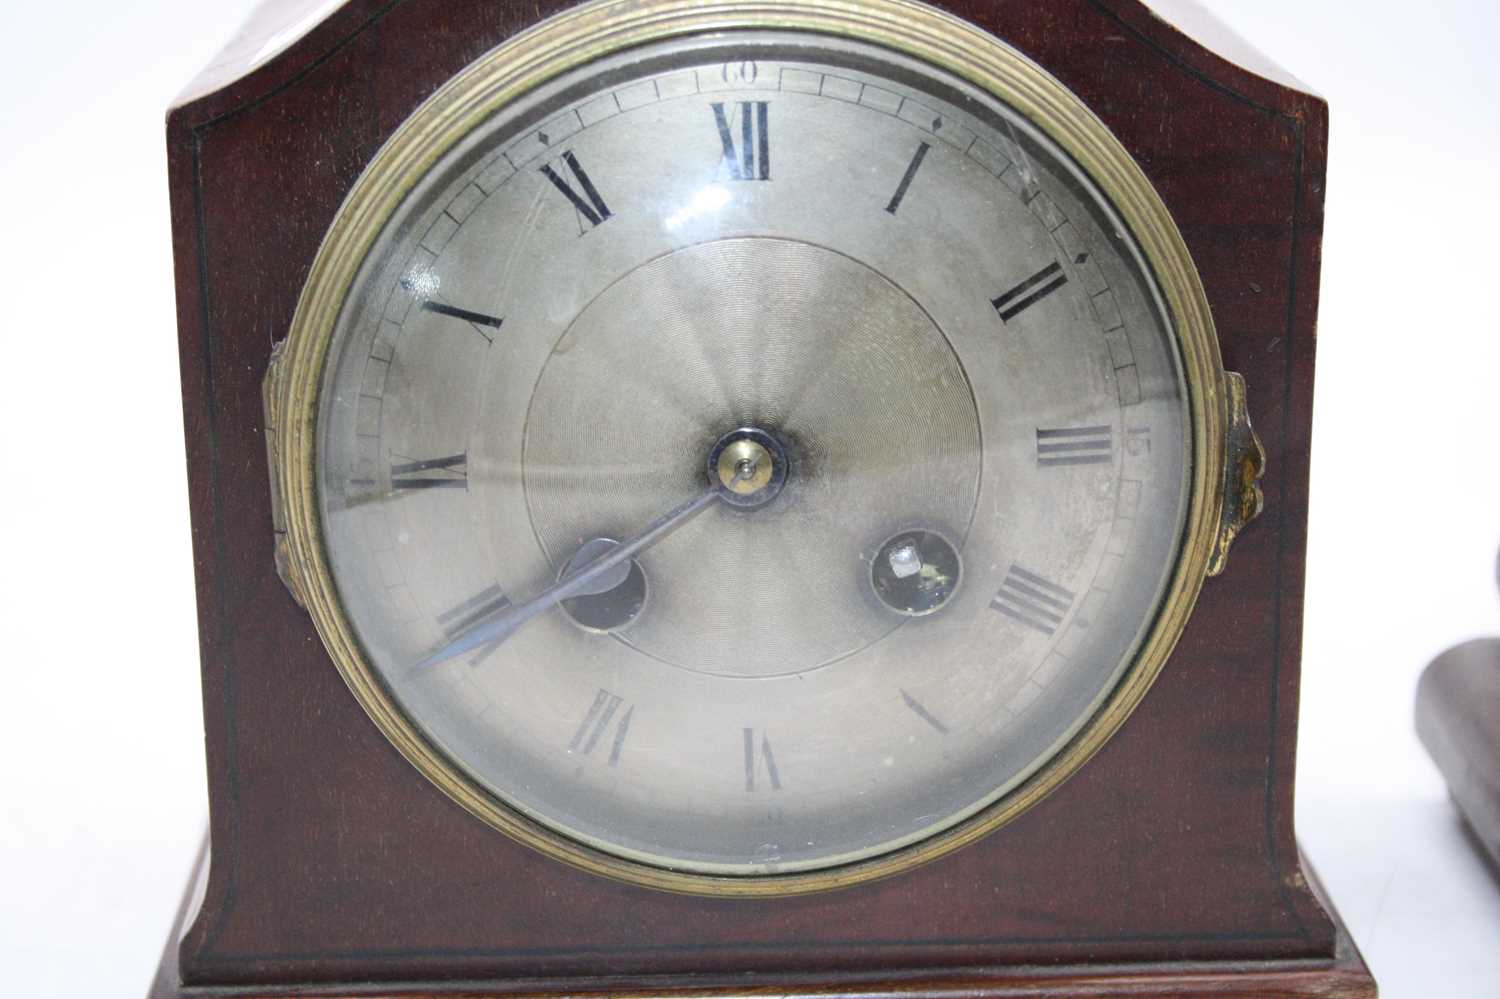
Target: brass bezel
574	38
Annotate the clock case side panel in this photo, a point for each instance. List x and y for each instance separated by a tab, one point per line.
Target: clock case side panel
1272	340
227	322
1261	264
333	859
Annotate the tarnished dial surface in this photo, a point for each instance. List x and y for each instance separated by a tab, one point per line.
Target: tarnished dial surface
919	300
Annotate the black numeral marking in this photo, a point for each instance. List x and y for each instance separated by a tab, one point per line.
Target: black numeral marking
478	320
753	759
482	323
596	723
1032	600
590	205
906	178
1029	292
922	713
459	619
1075	446
752	160
451	472
481	605
738	73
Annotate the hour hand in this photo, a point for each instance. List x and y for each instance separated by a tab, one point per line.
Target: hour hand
599	574
746	469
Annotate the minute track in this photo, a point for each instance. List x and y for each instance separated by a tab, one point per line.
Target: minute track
865	338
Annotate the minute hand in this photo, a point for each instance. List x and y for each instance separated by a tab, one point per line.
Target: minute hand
501	627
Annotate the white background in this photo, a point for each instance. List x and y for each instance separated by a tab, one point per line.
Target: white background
102	797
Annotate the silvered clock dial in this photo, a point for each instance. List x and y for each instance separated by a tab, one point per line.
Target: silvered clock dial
753	461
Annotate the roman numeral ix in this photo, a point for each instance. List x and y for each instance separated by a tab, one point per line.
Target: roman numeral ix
752	160
1032	600
457	620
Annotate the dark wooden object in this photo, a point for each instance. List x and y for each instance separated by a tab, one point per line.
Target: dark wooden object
1171	855
1458	720
1342	977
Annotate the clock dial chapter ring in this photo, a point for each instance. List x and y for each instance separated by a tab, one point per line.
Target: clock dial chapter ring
296	384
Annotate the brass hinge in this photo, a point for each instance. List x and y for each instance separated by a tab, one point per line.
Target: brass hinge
1244	464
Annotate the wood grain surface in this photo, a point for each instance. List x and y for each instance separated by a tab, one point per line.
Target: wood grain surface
334	860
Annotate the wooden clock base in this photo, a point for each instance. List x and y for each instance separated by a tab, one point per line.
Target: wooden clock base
1345	976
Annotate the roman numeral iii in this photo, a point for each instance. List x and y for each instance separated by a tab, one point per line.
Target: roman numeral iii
752	159
1075	446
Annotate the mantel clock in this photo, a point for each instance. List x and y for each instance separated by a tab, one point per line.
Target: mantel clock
694	497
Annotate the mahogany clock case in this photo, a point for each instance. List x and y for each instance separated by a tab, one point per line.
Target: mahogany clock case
333	860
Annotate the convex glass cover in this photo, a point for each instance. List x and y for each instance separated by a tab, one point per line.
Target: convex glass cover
746	455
